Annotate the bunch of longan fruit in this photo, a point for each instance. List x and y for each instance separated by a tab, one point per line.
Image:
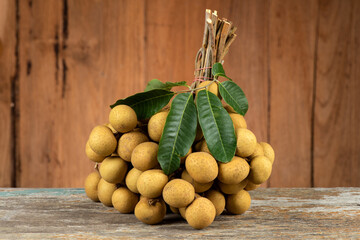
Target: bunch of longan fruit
130	179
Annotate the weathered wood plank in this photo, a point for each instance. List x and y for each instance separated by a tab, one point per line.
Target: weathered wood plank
275	213
337	115
9	75
292	47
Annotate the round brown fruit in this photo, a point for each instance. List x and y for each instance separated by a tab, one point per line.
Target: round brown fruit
123	118
182	159
246	142
268	151
213	87
131	179
234	171
260	169
113	169
218	199
124	200
251	186
238	203
105	192
200	213
199	187
238	120
102	141
91	185
156	125
150	211
151	183
128	142
93	156
258	151
144	156
178	193
202	167
232	188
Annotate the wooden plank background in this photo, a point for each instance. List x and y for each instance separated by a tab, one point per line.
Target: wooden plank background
63	62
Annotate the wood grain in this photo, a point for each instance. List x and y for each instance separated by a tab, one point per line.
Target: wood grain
9	71
274	213
337	116
291	60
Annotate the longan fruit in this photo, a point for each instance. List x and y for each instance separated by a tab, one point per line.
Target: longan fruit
93	156
246	142
182	159
182	212
228	108
105	192
238	203
238	120
174	210
111	128
213	88
268	151
156	125
218	199
124	200
251	186
200	213
199	133
131	179
178	193
199	187
123	118
259	151
232	188
260	169
102	141
150	211
151	183
91	185
202	167
144	156
128	142
113	169
233	172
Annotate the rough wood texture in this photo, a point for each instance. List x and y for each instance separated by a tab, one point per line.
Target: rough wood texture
337	115
292	47
9	75
275	213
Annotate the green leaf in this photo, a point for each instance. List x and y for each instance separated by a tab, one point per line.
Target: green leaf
179	132
234	96
218	70
157	84
146	104
216	125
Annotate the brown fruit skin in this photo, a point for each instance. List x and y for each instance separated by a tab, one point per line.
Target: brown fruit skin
200	213
234	171
182	159
113	169
238	203
268	151
128	142
131	179
199	187
150	211
178	193
105	192
124	200
91	184
144	156
251	186
259	151
213	88
228	108
202	167
246	142
102	141
260	169
123	118
182	212
156	125
111	128
151	183
218	199
93	156
238	120
199	133
174	210
232	188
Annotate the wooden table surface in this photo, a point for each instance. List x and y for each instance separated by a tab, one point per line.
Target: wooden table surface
274	213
